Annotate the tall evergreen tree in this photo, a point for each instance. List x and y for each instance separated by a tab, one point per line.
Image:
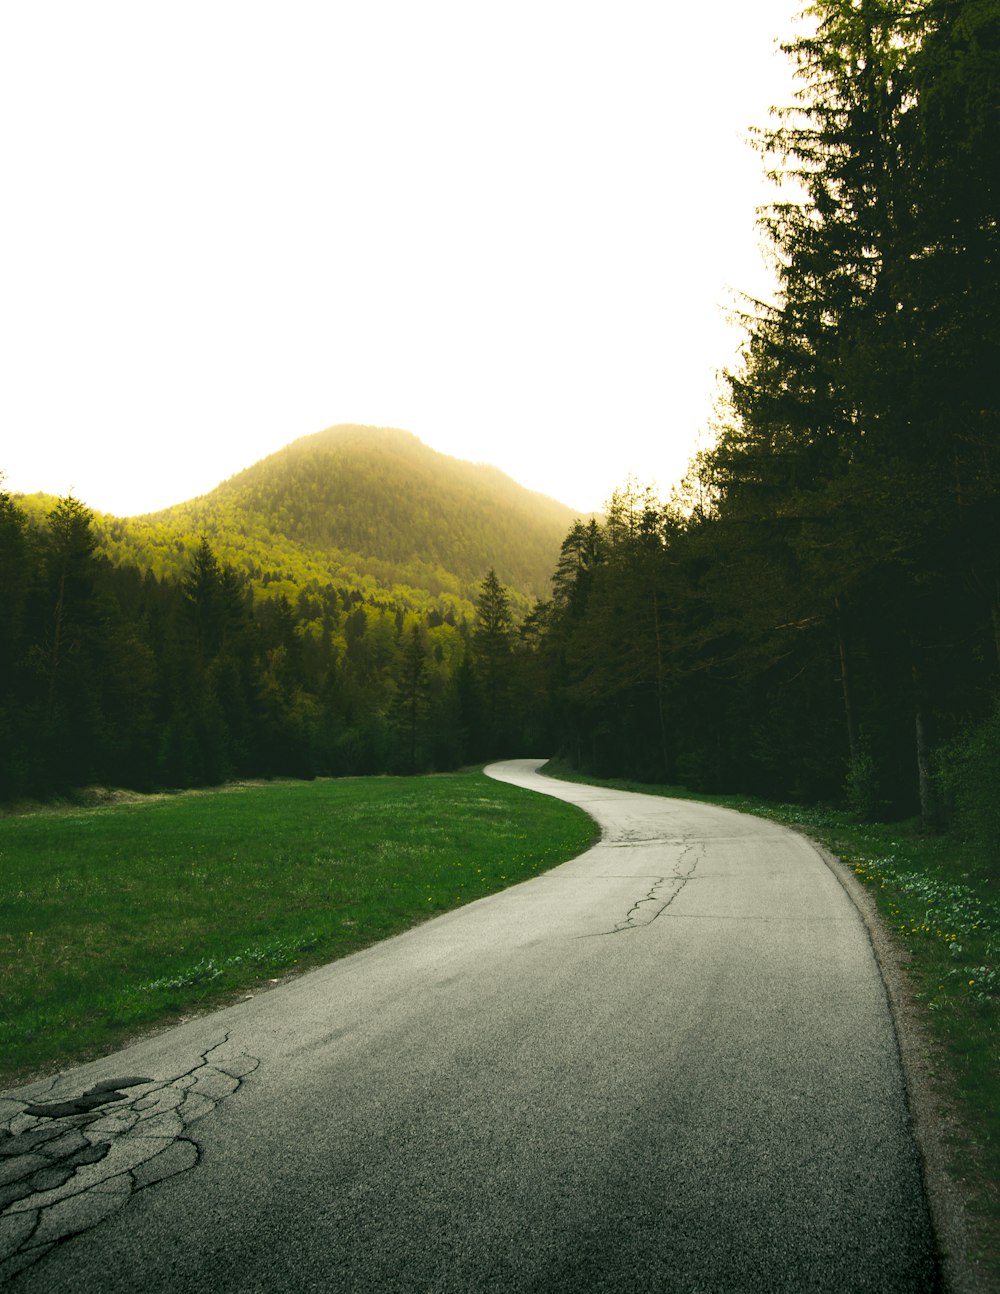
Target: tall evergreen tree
215	729
67	649
835	459
830	605
18	573
492	657
410	708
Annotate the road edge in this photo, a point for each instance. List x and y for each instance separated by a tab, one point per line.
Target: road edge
932	1114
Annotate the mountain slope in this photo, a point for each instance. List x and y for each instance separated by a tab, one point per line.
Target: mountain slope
362	507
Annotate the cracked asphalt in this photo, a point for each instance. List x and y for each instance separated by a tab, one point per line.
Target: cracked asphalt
666	1065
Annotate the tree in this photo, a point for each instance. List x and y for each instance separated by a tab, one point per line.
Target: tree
492	656
216	682
18	573
955	269
830	606
843	457
67	649
214	604
412	696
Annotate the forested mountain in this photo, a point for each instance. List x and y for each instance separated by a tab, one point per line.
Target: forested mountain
371	509
382	493
321	612
815	615
109	674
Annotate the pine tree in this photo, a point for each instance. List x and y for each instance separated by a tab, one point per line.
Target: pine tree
492	656
68	651
412	700
18	575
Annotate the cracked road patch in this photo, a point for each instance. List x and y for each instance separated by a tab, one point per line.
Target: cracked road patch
661	893
67	1164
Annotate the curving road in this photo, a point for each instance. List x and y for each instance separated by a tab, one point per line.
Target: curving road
668	1065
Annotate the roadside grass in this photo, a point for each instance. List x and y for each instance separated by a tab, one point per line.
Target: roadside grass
941	899
117	918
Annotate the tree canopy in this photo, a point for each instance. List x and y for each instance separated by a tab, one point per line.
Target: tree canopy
821	619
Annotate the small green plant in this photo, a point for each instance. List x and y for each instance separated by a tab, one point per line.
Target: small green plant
861	793
970	776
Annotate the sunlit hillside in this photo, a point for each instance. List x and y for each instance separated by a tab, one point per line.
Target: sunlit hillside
366	508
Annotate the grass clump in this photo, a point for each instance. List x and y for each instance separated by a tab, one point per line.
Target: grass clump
115	918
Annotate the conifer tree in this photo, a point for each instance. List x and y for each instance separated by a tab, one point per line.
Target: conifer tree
68	652
18	573
412	700
492	655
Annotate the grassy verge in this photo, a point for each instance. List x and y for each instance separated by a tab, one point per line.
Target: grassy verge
116	918
942	901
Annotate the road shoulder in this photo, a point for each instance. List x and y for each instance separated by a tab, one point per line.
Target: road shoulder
933	1110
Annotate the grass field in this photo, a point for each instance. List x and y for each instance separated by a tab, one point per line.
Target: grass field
942	901
117	917
120	917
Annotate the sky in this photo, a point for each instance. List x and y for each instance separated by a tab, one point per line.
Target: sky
515	228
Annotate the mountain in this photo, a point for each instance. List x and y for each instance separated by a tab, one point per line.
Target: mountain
367	508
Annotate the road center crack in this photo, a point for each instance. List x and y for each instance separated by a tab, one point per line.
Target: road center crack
654	903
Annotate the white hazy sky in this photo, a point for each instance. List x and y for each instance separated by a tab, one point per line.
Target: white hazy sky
511	227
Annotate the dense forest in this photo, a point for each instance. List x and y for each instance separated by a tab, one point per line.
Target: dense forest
814	614
817	613
111	675
366	508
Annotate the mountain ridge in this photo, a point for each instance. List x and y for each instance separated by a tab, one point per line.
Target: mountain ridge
370	508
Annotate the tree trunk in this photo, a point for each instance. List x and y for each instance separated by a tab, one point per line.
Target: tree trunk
929	820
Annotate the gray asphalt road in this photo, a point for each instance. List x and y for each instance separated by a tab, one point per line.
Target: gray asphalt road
667	1065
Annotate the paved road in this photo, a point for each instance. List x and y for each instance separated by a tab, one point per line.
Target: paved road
667	1065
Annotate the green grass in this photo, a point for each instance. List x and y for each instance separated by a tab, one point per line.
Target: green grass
942	901
123	916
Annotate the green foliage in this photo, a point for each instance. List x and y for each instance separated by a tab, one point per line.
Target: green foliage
320	679
116	676
412	701
816	615
368	510
861	795
362	508
971	776
492	651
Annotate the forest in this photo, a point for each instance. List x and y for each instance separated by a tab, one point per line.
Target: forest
814	614
111	675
